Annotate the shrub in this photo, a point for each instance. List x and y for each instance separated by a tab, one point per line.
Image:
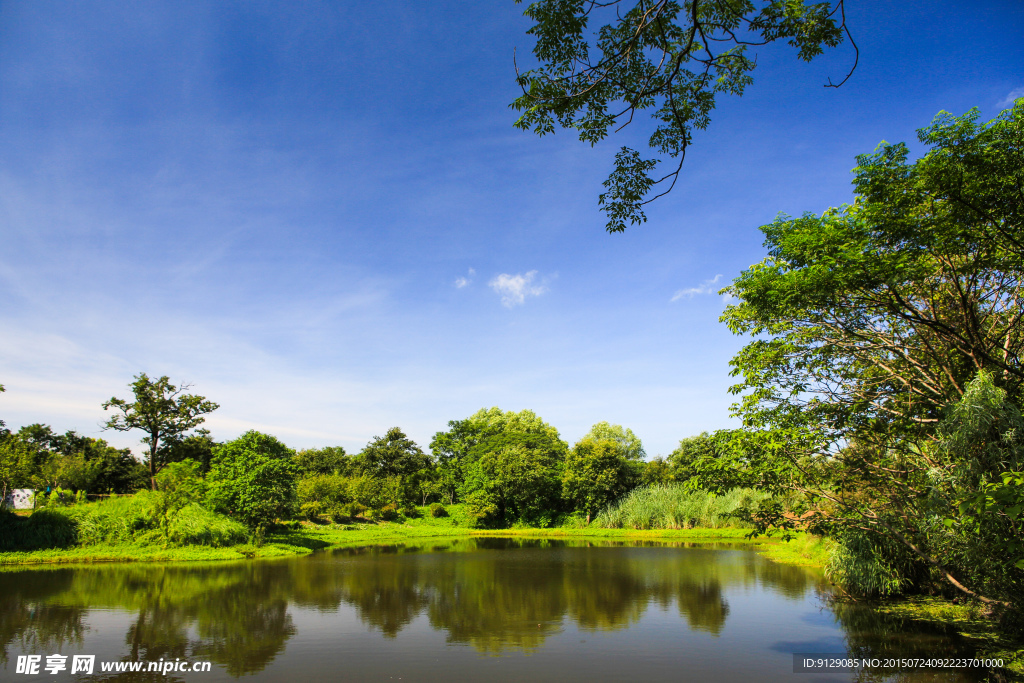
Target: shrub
410	511
437	510
328	490
146	518
196	525
311	511
43	529
354	509
376	492
389	512
339	515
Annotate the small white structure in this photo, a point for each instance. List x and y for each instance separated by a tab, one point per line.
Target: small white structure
19	499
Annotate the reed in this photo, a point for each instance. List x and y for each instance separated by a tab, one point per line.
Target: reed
673	506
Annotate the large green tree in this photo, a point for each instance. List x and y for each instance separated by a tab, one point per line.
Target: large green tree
596	473
628	443
453	449
253	479
161	410
514	477
393	455
882	330
509	465
78	462
14	461
673	58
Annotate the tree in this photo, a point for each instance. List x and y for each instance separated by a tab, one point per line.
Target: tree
453	448
450	449
882	328
709	461
655	471
327	460
669	56
253	479
82	463
197	447
14	459
117	470
597	472
628	443
161	410
515	479
393	454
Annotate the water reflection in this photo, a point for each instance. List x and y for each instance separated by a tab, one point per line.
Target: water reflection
494	595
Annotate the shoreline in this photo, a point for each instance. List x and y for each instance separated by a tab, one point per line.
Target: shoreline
313	538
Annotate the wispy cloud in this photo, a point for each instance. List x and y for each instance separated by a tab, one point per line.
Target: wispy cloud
466	280
706	287
1011	98
515	288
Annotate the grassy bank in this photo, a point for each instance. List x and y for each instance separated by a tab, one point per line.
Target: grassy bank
130	542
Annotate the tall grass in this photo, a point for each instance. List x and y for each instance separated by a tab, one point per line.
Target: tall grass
126	519
673	506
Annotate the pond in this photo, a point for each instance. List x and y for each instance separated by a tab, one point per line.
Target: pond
472	609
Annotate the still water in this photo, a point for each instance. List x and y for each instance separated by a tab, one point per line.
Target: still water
475	609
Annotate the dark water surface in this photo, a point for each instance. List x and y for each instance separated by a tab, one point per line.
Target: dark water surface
480	609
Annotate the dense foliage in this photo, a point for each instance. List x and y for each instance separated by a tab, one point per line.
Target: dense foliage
885	376
252	479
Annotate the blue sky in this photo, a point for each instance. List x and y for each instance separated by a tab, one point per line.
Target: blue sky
320	215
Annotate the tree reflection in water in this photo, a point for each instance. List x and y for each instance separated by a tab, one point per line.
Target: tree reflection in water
497	594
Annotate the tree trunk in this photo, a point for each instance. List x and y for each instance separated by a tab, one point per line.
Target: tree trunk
152	462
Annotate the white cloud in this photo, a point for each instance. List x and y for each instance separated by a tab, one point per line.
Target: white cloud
706	287
463	281
1014	94
515	288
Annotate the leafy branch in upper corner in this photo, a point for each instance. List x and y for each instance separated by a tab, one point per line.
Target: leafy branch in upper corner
674	58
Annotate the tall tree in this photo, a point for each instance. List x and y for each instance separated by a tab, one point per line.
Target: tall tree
253	479
597	471
454	449
672	57
629	444
393	454
884	328
161	410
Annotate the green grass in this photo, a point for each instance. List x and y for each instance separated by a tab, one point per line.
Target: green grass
126	520
802	550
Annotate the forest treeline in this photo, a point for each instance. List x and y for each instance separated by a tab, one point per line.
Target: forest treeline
508	468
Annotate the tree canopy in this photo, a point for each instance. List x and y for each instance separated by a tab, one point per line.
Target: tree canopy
884	327
252	478
161	410
674	58
393	454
